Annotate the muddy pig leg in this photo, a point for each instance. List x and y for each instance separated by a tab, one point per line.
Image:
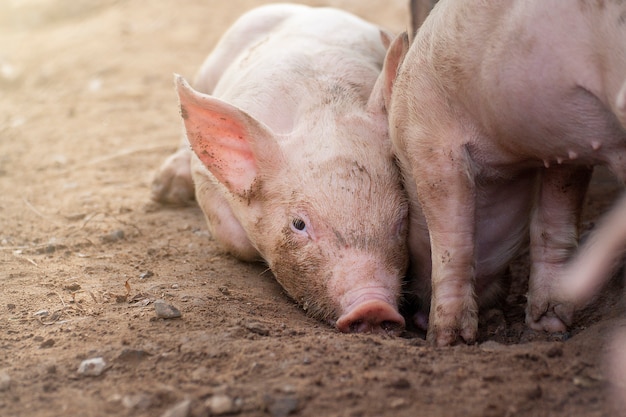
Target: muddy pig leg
447	194
553	237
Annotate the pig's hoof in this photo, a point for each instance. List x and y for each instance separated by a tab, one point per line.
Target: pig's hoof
549	324
441	337
452	326
552	319
372	317
449	330
555	320
450	336
172	183
565	312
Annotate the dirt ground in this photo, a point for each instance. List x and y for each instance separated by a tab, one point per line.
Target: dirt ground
87	113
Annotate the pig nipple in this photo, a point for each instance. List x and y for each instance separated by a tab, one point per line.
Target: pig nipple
596	145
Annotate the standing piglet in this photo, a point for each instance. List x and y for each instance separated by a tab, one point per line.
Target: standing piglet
498	112
292	164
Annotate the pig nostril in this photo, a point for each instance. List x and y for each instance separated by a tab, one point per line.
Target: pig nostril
372	317
356	326
391	326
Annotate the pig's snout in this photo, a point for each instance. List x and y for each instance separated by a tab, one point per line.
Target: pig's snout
372	316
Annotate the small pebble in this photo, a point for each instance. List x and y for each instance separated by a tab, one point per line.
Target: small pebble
200	374
281	406
114	236
555	351
146	275
288	389
397	403
72	287
492	346
400	383
583	381
76	216
166	311
92	367
137	401
5	381
9	73
132	355
179	410
94	85
534	393
141	303
258	328
48	343
220	404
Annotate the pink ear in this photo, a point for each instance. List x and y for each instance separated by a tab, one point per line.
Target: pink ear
386	37
222	136
395	55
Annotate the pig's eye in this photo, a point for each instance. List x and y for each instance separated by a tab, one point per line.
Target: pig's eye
298	224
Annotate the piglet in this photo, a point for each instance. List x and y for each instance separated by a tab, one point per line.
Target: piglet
498	113
291	161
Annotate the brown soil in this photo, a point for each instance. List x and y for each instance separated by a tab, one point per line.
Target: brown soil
87	113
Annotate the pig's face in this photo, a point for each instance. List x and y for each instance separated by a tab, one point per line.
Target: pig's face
333	232
323	204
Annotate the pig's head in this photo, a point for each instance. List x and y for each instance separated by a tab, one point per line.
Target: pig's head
322	204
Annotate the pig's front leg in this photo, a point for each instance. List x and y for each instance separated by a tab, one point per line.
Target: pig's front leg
447	194
553	237
223	224
172	183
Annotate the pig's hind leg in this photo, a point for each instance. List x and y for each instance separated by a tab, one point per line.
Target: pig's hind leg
553	238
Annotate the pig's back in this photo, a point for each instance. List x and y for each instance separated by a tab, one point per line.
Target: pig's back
293	62
533	76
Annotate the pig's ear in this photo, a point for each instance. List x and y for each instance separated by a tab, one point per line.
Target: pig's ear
395	55
224	137
386	37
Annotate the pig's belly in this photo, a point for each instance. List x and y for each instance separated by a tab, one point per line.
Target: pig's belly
566	125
